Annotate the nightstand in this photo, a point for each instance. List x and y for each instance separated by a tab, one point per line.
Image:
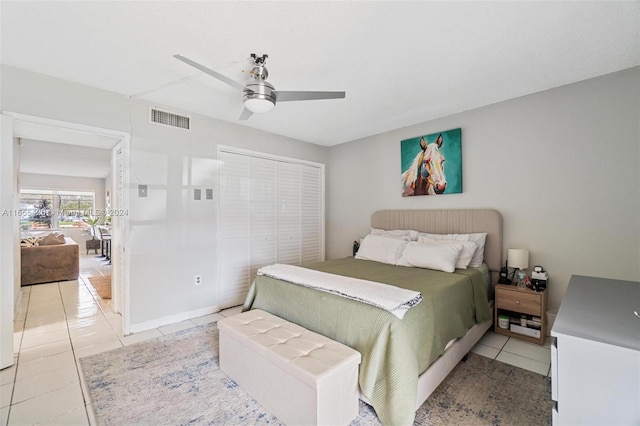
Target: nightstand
514	303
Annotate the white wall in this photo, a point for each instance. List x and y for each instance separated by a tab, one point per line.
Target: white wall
64	183
172	237
562	166
43	96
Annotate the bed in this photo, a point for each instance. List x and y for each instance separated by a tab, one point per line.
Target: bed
403	360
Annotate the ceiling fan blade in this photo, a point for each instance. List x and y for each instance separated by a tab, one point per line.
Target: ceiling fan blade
245	114
212	73
285	95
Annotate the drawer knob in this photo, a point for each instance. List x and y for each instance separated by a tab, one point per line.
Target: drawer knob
517	302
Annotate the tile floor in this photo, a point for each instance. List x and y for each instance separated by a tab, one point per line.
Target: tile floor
58	323
516	352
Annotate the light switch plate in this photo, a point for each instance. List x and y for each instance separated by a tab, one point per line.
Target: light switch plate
197	194
209	194
142	190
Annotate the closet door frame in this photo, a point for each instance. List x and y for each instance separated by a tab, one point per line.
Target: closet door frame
278	159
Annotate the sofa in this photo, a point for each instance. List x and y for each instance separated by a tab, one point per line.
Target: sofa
51	262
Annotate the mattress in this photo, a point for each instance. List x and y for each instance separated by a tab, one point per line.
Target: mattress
394	352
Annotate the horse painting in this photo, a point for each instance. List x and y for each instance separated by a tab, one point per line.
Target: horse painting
426	174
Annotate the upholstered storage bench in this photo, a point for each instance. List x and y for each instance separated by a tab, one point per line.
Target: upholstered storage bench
301	377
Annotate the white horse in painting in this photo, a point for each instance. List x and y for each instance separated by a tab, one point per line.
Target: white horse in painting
426	175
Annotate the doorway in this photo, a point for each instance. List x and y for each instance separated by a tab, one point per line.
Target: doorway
65	134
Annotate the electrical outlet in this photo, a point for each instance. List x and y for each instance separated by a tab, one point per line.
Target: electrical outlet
197	279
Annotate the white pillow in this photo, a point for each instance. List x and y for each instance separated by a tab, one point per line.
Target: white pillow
30	242
403	234
479	238
433	256
468	248
381	249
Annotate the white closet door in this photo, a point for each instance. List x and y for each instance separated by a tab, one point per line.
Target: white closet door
289	213
234	231
264	229
270	210
312	214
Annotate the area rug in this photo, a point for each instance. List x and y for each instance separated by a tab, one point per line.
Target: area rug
102	284
175	380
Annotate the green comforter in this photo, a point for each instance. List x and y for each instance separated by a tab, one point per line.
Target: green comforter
394	352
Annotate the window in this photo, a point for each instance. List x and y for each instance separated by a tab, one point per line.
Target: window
46	209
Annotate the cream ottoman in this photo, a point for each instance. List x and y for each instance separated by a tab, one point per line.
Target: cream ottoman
301	377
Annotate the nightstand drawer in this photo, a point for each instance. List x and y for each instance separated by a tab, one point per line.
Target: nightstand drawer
519	301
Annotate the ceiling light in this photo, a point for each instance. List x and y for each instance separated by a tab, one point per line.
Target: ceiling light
258	104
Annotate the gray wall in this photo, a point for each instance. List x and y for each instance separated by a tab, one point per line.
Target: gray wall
562	166
64	183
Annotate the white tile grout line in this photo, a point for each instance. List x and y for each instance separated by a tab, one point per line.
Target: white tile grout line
511	353
17	357
524	356
73	349
11	404
87	404
81	281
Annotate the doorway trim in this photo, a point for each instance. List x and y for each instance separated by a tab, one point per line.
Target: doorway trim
9	250
121	281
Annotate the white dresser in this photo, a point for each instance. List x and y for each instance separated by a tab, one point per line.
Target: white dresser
595	354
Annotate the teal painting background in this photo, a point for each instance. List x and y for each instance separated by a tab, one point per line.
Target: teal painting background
451	149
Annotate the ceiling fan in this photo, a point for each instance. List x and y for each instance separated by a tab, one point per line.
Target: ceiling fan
260	96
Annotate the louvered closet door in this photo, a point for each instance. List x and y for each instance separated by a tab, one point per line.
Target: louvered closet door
234	228
270	211
289	213
312	244
264	228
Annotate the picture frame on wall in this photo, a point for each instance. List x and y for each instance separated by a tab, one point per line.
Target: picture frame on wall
432	164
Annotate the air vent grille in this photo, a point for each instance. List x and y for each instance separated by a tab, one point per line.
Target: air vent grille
170	119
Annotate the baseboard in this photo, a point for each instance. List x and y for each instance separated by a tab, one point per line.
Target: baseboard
172	319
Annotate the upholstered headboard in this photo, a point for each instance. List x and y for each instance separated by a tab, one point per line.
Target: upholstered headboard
449	222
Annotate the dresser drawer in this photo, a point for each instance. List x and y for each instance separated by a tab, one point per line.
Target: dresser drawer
519	301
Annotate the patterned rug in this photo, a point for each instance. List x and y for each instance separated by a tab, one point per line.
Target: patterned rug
102	284
175	380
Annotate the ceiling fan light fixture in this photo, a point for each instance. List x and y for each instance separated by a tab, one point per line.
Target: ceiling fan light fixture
259	104
259	96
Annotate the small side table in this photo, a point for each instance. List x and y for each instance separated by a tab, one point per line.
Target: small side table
93	244
514	302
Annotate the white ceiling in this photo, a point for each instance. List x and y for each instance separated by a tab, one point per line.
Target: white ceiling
64	159
52	148
400	63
